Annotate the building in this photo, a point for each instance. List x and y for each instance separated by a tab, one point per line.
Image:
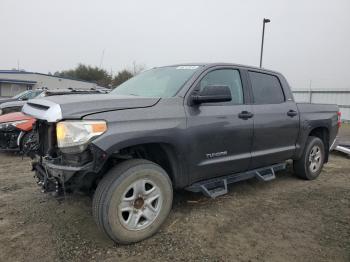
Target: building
13	82
340	97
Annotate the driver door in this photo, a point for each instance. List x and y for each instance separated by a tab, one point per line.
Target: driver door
220	140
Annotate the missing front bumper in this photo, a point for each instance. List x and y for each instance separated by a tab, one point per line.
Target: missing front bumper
59	175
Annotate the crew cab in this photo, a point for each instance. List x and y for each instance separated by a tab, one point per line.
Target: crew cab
195	126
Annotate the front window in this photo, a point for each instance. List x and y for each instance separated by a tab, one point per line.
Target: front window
225	77
160	82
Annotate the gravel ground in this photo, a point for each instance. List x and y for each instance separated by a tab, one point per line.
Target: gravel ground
286	219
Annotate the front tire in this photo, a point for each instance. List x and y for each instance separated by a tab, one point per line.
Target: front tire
132	201
309	166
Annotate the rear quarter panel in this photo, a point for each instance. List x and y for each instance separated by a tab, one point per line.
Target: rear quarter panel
313	116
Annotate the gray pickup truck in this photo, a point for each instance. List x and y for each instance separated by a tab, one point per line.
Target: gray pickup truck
197	127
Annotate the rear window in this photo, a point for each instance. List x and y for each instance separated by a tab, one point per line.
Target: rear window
266	88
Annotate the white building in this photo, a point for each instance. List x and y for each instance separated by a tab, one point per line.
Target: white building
12	82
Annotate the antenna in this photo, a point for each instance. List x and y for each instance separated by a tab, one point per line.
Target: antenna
18	64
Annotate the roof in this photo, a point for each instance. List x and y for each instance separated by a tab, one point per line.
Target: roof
227	64
16	81
35	73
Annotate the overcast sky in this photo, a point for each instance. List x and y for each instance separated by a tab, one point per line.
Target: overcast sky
306	40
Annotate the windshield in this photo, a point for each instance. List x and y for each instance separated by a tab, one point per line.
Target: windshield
29	94
21	94
32	94
158	82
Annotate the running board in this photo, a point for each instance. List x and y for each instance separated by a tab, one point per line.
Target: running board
218	186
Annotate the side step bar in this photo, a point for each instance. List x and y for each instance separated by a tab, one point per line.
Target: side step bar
218	186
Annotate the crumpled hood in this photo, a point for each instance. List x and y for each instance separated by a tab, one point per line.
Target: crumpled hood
55	108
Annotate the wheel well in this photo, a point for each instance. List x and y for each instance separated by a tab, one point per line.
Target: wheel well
161	153
323	134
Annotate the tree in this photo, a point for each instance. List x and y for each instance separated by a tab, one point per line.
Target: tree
101	76
137	68
88	73
121	77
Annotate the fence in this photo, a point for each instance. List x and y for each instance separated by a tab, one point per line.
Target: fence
339	97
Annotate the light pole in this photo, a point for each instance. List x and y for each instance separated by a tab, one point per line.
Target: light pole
265	21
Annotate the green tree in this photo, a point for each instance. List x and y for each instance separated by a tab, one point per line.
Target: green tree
88	73
121	77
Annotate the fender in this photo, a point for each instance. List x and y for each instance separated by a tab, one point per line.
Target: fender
306	130
173	149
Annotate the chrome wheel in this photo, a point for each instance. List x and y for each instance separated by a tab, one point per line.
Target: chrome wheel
140	204
315	159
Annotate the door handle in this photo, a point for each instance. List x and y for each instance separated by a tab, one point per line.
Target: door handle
245	115
292	113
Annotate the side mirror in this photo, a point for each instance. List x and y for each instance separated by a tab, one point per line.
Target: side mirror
212	94
23	98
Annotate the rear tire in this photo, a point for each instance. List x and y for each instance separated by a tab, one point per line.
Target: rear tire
309	166
132	201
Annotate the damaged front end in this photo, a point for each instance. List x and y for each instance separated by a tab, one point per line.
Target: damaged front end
64	157
59	171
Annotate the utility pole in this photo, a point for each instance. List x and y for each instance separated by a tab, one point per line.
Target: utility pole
265	21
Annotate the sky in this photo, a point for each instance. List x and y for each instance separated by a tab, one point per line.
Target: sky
308	41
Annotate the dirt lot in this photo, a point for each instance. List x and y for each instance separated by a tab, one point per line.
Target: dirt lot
284	220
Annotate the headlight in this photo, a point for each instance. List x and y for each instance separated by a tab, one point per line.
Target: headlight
77	133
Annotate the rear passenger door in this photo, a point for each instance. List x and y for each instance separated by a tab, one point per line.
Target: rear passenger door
275	127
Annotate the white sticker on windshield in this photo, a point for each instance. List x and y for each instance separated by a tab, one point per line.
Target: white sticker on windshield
187	67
